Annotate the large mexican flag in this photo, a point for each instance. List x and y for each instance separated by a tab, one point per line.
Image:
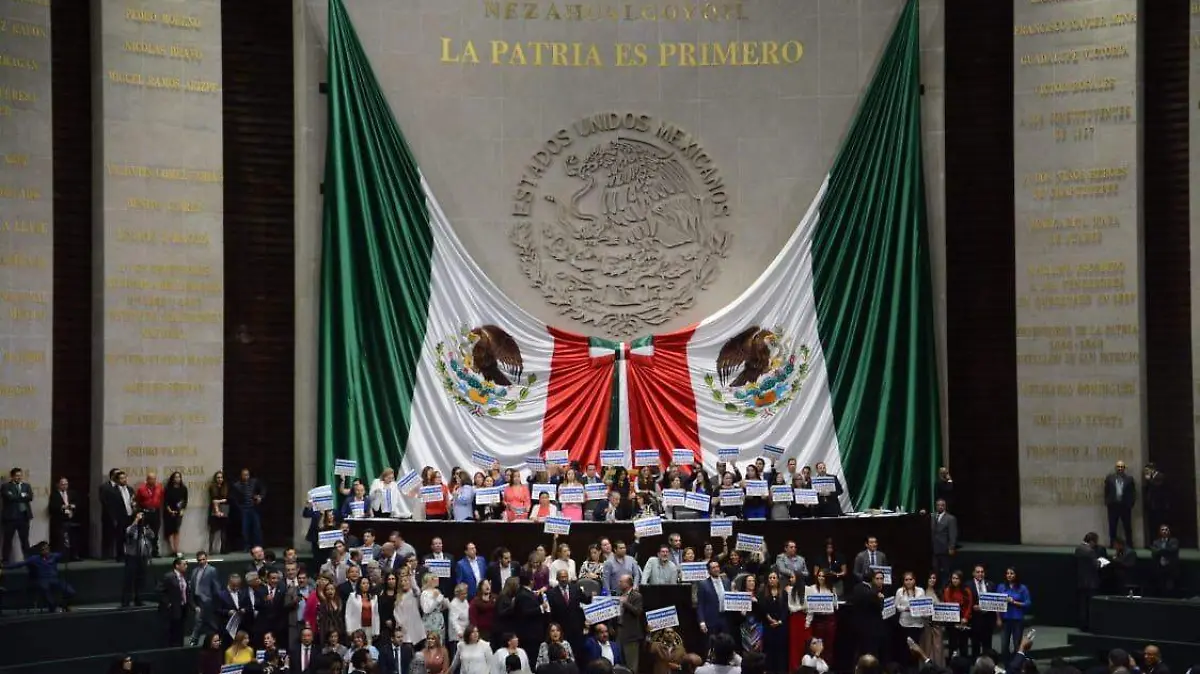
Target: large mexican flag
829	354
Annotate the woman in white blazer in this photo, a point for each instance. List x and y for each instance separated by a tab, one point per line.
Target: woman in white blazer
385	494
359	605
562	561
408	612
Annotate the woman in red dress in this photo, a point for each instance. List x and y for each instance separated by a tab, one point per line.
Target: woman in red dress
798	630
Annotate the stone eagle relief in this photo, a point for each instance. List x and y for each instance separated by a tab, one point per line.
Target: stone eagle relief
630	230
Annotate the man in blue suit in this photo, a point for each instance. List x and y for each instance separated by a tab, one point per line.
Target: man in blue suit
471	570
43	575
710	598
598	646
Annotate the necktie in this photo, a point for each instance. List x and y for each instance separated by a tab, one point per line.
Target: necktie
304	660
183	588
979	586
396	656
566	597
872	559
271	594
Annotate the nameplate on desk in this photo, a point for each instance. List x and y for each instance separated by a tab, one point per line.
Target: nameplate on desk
749	543
993	602
483	459
690	572
571	494
728	454
682	457
546	487
662	618
645	457
488	495
673	497
358	509
409	482
889	607
946	612
821	602
345	467
432	493
694	500
647	526
600	610
757	488
327	539
720	527
612	457
773	452
558	457
921	607
596	491
885	570
535	463
825	484
556	525
781	493
438	567
737	601
732	497
805	496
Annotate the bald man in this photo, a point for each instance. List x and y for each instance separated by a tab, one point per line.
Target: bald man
149	499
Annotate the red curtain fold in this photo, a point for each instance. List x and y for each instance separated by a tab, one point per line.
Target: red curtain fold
662	405
578	400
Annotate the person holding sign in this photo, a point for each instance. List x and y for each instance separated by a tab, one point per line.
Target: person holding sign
710	601
821	616
1014	618
516	499
773	610
869	559
572	511
438	509
754	507
462	498
356	506
630	630
829	500
911	625
544	508
385	494
956	592
869	628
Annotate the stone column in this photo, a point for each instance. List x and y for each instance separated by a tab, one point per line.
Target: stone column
1079	316
26	248
160	314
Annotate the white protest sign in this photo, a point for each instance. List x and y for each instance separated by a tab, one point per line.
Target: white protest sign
773	452
993	602
556	525
922	607
438	567
483	459
551	489
408	484
824	484
821	602
345	467
432	493
683	457
536	464
737	601
720	527
694	500
647	526
805	496
357	509
645	457
321	497
673	497
571	494
327	539
487	495
732	497
749	543
889	607
612	457
558	457
946	612
757	488
728	454
600	610
595	491
781	493
662	618
693	571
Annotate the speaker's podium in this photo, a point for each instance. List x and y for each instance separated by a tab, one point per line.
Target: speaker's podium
1130	623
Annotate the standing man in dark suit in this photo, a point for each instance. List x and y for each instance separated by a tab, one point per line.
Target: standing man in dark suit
566	609
63	511
982	624
1087	573
1120	493
174	599
1165	553
710	601
870	557
829	505
120	513
17	510
502	569
870	633
302	658
945	540
111	539
273	609
247	495
1154	500
395	657
631	630
205	590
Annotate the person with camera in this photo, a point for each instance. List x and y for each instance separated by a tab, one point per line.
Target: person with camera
139	547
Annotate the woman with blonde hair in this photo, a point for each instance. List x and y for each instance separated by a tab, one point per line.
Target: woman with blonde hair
240	653
407	614
432	605
562	562
433	659
385	494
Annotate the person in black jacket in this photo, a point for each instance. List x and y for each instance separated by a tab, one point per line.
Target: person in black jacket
529	621
174	600
1087	573
870	633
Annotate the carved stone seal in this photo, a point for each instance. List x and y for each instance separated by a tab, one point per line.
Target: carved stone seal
629	230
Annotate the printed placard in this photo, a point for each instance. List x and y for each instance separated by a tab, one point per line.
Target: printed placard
946	612
321	497
694	500
732	497
993	602
822	602
645	457
921	607
889	607
483	459
728	454
345	467
438	567
647	526
571	494
737	601
773	452
749	543
757	488
885	570
261	656
612	457
432	493
558	457
556	525
535	464
690	572
805	496
549	488
327	539
683	457
367	555
600	610
596	491
720	527
673	497
358	508
662	618
231	669
824	484
408	484
781	493
488	495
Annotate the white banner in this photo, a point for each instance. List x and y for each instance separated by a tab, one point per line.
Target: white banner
728	454
720	527
571	494
889	607
612	457
824	484
345	467
600	610
432	493
772	452
488	495
558	457
697	501
673	497
483	459
749	543
327	539
921	607
551	489
645	457
556	525
781	493
822	602
647	526
693	571
596	491
662	618
805	496
683	457
757	488
993	602
438	567
737	601
732	497
946	612
408	484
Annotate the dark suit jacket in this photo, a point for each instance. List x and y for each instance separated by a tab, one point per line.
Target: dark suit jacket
14	495
867	614
1154	494
830	505
862	563
708	605
493	574
632	619
1087	573
387	661
1165	553
111	508
945	533
1128	493
55	507
527	618
225	605
591	651
314	653
569	614
272	615
172	602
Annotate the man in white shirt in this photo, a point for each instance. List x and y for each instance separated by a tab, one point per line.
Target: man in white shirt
661	570
600	646
304	654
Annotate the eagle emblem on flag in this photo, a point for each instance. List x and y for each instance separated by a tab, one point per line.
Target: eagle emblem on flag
758	372
483	371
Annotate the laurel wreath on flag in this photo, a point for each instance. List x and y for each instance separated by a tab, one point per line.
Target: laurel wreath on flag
771	392
468	388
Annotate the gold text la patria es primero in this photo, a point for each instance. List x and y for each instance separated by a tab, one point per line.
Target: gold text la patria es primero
567	11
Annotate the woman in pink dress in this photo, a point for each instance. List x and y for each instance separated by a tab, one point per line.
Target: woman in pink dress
572	511
516	499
